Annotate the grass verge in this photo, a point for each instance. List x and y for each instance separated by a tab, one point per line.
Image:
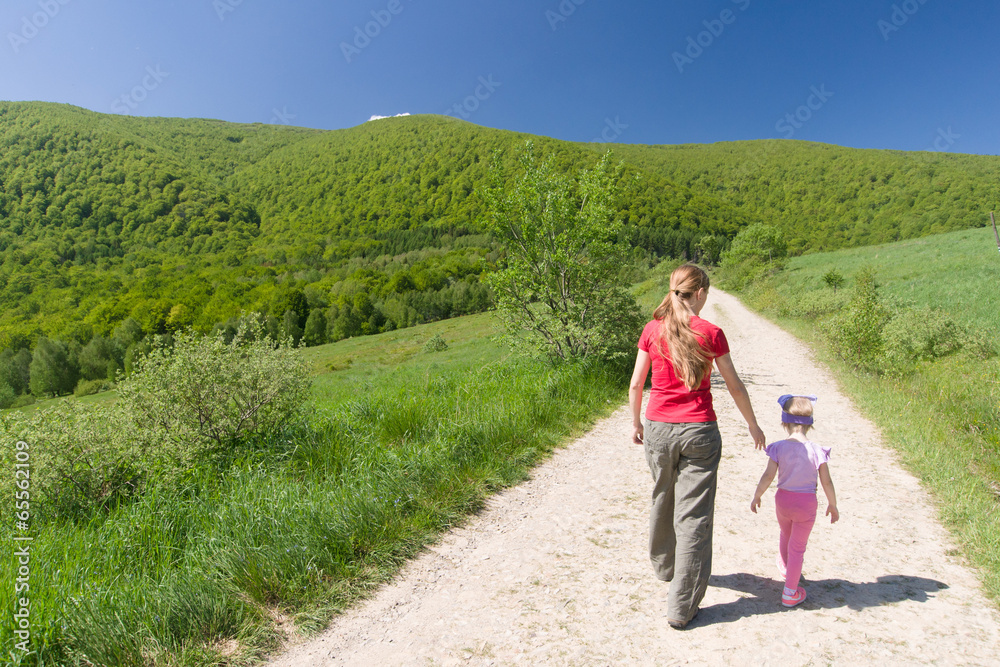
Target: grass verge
400	444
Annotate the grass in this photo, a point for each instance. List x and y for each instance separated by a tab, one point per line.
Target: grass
944	416
958	272
398	445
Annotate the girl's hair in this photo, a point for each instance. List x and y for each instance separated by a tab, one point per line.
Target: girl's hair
692	362
800	407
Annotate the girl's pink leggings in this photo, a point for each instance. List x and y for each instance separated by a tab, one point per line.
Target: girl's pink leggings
796	516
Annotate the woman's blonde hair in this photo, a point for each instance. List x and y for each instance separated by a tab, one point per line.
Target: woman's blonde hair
692	361
799	406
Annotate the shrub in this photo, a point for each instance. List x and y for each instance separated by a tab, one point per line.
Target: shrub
978	344
757	251
435	344
918	335
764	296
833	279
202	393
91	387
82	458
856	332
819	303
179	404
23	400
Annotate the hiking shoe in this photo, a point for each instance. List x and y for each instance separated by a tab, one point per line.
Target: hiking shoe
680	625
795	599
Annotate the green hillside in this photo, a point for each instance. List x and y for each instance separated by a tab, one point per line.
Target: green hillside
144	226
185	222
827	197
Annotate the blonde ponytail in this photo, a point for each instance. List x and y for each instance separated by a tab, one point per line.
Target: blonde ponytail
692	361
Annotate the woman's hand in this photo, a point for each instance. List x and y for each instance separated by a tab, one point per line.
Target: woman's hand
636	385
759	440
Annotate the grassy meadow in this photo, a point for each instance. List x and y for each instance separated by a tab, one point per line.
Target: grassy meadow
943	415
399	443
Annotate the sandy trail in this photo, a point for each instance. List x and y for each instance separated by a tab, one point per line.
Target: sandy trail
555	571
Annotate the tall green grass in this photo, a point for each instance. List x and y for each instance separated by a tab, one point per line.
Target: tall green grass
399	445
943	415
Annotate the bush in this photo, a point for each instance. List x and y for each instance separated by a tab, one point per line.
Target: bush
179	404
81	458
918	335
819	303
435	344
23	400
91	387
833	279
203	394
892	341
856	332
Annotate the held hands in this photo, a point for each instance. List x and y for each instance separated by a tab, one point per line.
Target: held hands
831	511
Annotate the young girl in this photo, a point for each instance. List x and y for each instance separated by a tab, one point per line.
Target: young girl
797	461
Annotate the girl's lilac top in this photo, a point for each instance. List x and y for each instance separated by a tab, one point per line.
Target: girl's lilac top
798	463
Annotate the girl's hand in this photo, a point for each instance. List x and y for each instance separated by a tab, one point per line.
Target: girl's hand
831	511
638	434
754	504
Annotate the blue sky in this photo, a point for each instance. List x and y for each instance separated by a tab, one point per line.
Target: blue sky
899	74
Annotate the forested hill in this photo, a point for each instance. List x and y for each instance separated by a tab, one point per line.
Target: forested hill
177	222
185	222
346	192
827	197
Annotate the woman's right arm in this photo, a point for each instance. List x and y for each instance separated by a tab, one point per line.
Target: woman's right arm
638	383
741	396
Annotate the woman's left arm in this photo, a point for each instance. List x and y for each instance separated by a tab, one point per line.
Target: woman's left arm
638	383
741	396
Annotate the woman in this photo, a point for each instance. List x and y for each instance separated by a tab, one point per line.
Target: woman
681	437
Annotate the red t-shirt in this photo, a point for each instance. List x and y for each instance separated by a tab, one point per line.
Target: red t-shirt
669	399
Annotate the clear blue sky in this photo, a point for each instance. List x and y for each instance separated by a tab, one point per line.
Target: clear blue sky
866	73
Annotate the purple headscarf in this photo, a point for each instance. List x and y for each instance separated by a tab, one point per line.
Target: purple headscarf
794	419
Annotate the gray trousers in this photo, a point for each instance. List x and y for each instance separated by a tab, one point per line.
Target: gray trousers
684	461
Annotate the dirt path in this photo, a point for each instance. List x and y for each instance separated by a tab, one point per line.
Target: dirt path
555	571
